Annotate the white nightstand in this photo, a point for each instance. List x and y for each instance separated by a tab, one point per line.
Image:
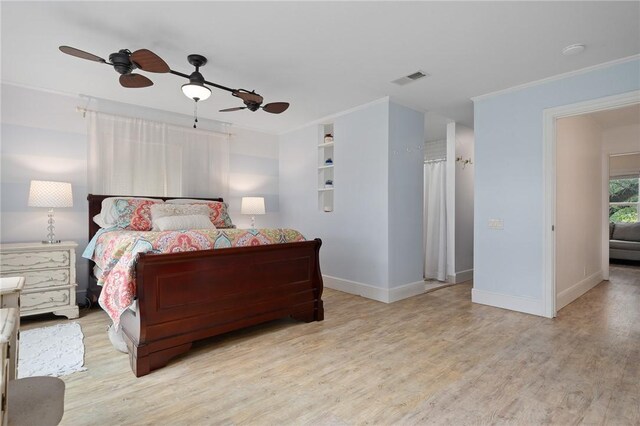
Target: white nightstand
8	332
10	289
50	276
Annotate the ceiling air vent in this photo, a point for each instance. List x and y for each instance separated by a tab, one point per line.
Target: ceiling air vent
410	78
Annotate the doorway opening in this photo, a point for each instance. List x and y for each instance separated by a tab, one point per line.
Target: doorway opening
579	140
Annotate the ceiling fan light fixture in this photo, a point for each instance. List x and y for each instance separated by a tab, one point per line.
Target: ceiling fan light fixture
196	91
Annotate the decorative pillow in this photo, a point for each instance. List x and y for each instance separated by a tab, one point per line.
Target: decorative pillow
612	226
219	211
164	210
179	223
627	231
97	219
133	213
110	215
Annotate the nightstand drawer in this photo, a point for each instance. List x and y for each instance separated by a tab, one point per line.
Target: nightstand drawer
45	299
22	261
44	279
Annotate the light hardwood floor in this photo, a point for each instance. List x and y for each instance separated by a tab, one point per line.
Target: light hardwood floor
431	359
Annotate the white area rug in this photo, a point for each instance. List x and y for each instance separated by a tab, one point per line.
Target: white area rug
51	351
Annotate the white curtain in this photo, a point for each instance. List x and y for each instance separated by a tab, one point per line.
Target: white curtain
132	156
435	221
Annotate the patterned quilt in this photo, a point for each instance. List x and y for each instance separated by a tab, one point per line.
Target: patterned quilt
116	253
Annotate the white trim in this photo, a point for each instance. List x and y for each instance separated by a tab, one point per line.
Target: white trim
624	172
405	291
332	117
578	289
372	292
555	78
549	117
450	200
462	276
505	301
604	220
80	96
353	287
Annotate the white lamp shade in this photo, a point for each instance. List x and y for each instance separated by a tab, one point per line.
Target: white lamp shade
252	205
50	194
196	91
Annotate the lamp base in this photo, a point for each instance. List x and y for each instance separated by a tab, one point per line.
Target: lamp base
51	242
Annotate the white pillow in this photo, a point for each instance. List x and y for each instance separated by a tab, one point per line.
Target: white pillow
187	201
164	210
179	223
108	213
97	219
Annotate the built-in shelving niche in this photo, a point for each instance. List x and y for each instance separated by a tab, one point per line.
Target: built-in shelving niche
326	165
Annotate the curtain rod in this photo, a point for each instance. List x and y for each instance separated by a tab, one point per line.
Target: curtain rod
85	110
437	160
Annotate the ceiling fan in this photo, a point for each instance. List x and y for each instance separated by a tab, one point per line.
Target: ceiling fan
197	90
125	62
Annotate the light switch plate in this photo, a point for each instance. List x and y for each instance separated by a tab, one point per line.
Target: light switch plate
497	224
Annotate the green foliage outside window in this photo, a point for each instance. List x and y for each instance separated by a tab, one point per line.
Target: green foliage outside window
623	190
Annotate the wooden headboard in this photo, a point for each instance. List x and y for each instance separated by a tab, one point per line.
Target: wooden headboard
95	205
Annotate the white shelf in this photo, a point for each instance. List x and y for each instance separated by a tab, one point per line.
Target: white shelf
325	145
325	189
328	166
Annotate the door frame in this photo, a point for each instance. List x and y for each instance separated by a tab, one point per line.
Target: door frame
549	118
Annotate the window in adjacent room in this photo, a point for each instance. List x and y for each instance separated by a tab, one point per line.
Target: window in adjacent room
623	199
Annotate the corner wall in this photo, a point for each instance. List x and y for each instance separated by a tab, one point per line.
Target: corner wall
464	189
578	207
367	249
508	265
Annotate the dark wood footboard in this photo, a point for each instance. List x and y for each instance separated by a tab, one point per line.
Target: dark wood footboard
184	297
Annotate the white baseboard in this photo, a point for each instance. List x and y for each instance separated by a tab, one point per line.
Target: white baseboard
353	287
405	291
526	305
572	293
376	293
460	277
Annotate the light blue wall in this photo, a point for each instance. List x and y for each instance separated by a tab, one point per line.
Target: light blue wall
44	138
406	168
509	175
374	235
354	235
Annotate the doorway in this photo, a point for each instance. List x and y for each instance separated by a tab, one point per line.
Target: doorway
576	174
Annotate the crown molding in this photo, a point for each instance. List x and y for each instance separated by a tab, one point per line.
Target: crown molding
84	98
332	117
556	77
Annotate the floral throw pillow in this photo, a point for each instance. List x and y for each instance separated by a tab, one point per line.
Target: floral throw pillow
219	215
133	214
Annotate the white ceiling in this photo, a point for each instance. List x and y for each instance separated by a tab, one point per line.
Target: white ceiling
323	57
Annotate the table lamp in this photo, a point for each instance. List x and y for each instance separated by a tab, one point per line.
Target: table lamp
50	195
252	206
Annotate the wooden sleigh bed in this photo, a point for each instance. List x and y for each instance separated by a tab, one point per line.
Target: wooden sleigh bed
184	297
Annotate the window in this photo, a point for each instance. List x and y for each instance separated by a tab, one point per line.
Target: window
623	199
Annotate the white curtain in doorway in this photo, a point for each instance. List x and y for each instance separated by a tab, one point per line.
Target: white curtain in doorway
435	221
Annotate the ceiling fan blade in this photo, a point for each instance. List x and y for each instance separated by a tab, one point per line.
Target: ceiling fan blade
135	81
148	61
232	109
276	107
80	54
248	96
